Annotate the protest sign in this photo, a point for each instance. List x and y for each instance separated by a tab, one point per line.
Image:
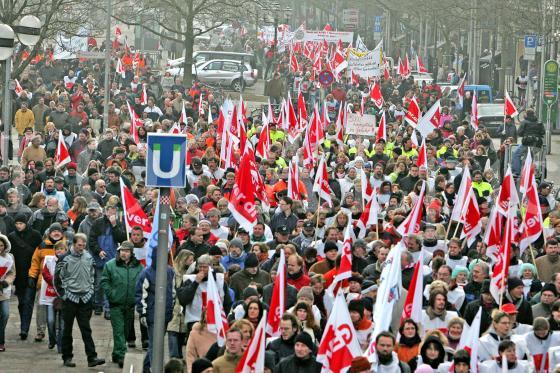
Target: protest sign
361	125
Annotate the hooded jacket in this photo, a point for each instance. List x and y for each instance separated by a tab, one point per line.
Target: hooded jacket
23	246
146	292
45	248
10	275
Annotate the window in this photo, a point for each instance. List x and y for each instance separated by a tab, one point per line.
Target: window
230	66
214	66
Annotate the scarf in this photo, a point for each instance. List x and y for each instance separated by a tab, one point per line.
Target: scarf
410	342
430	312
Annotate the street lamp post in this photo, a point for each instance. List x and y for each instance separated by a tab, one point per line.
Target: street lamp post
28	33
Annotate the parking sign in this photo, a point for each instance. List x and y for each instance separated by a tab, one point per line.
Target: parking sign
531	41
166	160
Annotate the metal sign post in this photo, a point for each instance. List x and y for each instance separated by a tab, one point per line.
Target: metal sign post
550	96
165	168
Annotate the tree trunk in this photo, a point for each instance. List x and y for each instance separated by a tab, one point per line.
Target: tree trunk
188	43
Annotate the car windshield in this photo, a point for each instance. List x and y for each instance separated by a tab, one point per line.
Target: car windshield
490	110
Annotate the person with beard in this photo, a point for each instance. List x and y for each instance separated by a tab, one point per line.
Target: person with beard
303	359
486	300
506	349
24	240
408	347
235	255
384	358
283	346
479	271
250	273
538	343
549	264
436	316
432	352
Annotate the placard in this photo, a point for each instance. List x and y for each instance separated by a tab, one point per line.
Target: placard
361	125
329	36
365	65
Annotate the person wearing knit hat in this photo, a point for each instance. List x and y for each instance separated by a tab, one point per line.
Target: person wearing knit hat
202	365
549	295
461	275
360	364
424	368
531	284
515	295
21	218
302	360
363	326
306	294
235	254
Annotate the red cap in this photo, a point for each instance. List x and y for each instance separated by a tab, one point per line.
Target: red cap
509	308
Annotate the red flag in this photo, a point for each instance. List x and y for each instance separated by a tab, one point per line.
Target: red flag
254	355
355	78
175	129
500	271
368	217
527	173
422	160
406	66
144	95
376	96
339	343
293	179
135	122
509	106
532	225
327	27
278	300
493	232
381	129
62	156
470	217
183	117
413	303
344	271
461	90
338	62
419	65
291	124
386	73
294	66
321	182
464	187
413	113
18	90
215	315
120	68
508	193
340	123
367	190
400	68
302	110
118	32
242	197
411	224
263	145
474	113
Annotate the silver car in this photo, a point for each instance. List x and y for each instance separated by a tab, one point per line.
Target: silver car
226	73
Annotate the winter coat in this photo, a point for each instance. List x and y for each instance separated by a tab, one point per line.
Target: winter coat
242	279
7	225
546	268
42	219
146	293
298	280
282	348
44	249
75	274
199	342
105	237
23	246
486	315
177	323
291	294
226	363
118	281
10	275
525	312
294	364
228	260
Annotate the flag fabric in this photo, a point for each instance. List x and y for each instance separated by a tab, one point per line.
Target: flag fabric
406	65
367	190
135	122
134	215
144	95
493	233
293	179
183	117
532	224
338	62
508	193
355	78
215	315
419	65
527	173
321	182
18	89
422	160
388	294
413	112
509	106
294	65
254	355
469	339
360	45
62	155
263	145
411	224
413	303
381	129
344	271
461	197
340	123
376	96
302	110
153	238
278	300
120	68
498	280
339	342
461	90
430	121
242	197
400	68
368	217
470	218
474	113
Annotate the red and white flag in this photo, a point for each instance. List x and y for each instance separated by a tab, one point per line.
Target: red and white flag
367	189
461	91
302	111
368	217
339	343
338	62
493	232
474	113
470	217
341	123
278	299
422	160
175	129
413	303
183	117
294	65
509	106
62	155
413	112
344	271
118	32
498	280
144	95
242	197
430	121
253	358
381	129
376	96
215	315
406	66
18	89
263	145
120	68
411	224
532	225
134	215
293	179
400	68
355	78
135	122
419	65
527	173
461	197
321	183
508	193
469	339
6	264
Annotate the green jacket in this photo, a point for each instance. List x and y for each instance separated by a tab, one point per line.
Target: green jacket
119	281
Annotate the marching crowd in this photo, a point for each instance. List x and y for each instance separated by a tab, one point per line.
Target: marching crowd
67	253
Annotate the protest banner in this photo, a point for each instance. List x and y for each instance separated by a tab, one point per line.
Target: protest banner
366	64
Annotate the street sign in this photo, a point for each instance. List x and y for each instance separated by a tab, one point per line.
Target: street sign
166	160
377	24
350	18
531	41
326	78
550	82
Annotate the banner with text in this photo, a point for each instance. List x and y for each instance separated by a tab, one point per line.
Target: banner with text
361	125
365	64
329	36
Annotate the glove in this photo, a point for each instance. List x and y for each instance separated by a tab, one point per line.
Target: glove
4	284
143	321
31	282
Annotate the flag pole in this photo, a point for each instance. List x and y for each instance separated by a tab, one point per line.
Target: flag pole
456	230
533	259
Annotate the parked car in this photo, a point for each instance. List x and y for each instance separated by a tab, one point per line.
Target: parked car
203	56
491	116
226	73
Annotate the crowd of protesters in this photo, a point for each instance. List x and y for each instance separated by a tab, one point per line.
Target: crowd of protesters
63	228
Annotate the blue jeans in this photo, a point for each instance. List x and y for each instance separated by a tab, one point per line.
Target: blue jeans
99	299
26	300
54	326
148	357
516	159
175	343
4	315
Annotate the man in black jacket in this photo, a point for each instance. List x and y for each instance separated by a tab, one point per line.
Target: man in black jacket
488	304
284	345
302	360
532	133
